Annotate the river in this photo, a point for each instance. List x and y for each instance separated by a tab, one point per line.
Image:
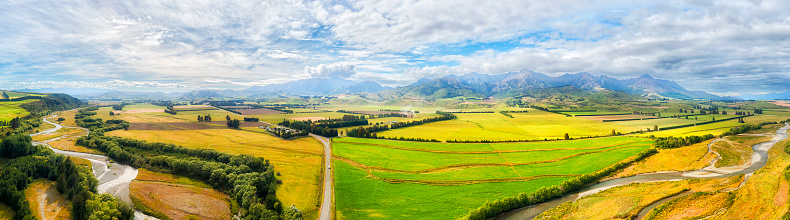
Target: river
759	159
114	178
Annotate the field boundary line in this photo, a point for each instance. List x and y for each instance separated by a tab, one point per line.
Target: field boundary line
465	166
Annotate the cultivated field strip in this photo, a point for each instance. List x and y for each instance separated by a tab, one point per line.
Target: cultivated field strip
482	152
470	165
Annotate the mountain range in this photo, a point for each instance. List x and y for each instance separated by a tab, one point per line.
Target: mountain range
513	83
471	85
318	86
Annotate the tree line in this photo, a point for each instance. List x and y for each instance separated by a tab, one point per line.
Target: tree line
675	142
250	180
370	132
170	110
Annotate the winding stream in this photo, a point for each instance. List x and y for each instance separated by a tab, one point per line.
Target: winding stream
759	159
114	178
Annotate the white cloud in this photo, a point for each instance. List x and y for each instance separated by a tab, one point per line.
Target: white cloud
342	70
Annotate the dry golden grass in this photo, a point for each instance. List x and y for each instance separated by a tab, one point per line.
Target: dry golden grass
68	115
763	196
59	133
68	144
45	200
692	157
298	161
732	153
625	202
178	201
146	175
693	206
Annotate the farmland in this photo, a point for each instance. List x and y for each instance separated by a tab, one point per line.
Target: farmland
368	171
177	197
297	160
11	110
534	125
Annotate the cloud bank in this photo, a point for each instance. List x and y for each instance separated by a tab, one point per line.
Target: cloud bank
724	47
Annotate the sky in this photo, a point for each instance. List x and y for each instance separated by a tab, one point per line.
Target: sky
722	47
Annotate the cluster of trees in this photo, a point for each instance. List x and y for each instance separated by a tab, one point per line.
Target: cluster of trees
746	128
493	208
14	123
285	133
368	132
118	107
391	114
326	128
28	162
745	113
162	103
206	118
247	119
675	142
444	117
5	96
404	138
235	123
539	108
250	180
83	119
170	110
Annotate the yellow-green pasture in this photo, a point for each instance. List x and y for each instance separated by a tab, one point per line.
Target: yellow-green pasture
11	110
534	125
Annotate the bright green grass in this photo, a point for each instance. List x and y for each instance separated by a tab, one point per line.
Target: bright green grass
535	125
712	128
474	173
582	164
11	110
407	159
359	197
410	160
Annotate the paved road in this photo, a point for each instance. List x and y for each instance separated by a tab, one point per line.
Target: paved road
326	205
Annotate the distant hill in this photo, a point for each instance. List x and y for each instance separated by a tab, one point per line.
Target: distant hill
115	95
769	96
317	86
70	91
513	83
434	89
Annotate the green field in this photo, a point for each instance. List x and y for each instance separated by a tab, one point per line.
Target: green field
11	110
534	125
403	180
